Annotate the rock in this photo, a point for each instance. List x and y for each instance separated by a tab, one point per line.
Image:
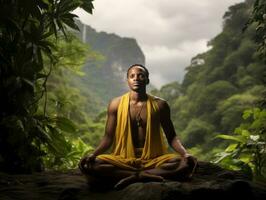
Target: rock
208	182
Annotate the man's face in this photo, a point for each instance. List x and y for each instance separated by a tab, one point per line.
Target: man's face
137	78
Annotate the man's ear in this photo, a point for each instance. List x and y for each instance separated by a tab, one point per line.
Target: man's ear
147	81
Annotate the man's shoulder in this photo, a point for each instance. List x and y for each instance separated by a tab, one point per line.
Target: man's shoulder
162	103
158	99
114	103
116	100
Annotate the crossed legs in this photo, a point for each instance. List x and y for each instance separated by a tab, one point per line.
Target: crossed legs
173	169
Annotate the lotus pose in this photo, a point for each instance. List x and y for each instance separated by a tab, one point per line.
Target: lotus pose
135	128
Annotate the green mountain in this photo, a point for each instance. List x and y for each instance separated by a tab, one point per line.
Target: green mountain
218	85
107	78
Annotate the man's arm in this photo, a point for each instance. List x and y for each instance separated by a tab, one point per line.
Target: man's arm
110	127
167	125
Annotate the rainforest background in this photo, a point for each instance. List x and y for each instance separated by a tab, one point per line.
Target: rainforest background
57	76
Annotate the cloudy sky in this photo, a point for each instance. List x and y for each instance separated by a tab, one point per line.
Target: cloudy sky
169	32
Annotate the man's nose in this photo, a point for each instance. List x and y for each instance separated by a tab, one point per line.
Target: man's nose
137	78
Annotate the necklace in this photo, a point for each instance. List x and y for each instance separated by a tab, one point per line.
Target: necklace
138	117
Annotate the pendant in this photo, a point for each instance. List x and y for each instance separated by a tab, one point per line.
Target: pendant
139	124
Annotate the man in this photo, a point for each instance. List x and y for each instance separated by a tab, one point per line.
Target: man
135	125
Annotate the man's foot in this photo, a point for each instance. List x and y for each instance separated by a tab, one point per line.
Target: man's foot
138	177
126	181
146	177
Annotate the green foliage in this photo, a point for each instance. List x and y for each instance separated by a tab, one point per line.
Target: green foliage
67	104
231	109
215	92
191	75
258	17
196	132
105	79
26	29
69	158
168	92
66	99
207	100
63	96
248	148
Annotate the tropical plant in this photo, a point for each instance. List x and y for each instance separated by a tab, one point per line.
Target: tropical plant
26	27
66	104
258	17
248	148
68	159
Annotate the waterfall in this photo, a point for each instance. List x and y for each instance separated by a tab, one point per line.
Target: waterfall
84	33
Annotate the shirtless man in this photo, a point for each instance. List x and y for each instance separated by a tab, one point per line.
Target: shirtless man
141	156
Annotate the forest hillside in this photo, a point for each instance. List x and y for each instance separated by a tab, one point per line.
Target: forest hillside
55	83
219	85
106	78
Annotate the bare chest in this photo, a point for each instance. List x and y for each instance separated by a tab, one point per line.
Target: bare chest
138	119
138	114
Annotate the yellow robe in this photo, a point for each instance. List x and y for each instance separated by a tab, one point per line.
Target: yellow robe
154	151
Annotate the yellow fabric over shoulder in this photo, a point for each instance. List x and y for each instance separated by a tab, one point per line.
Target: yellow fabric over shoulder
154	151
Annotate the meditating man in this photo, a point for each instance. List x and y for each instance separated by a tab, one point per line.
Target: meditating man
135	125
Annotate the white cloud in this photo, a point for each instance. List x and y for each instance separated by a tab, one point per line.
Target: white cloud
169	32
169	63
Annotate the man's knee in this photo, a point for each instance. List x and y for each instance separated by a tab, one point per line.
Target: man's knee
99	161
169	165
174	160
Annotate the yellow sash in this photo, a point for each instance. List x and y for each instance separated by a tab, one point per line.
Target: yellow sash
154	151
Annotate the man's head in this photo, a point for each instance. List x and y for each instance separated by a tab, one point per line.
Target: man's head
137	77
144	69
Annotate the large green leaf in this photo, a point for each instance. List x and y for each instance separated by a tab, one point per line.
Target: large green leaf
87	5
231	147
65	124
230	137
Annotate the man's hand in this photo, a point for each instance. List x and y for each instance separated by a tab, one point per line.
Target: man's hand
188	163
187	160
86	162
90	158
